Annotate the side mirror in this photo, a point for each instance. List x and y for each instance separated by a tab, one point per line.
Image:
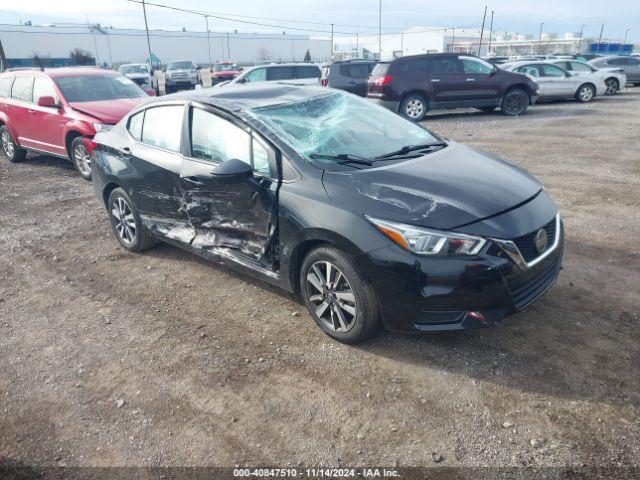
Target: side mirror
232	171
242	80
48	101
493	71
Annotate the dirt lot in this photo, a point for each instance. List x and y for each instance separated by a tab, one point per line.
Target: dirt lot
110	358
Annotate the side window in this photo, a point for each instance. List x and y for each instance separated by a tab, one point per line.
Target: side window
22	89
135	125
260	157
553	71
5	87
475	67
618	61
218	140
43	87
416	67
633	61
531	70
257	75
162	127
280	73
307	71
445	66
579	67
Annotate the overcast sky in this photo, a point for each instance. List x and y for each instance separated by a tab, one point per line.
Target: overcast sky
522	16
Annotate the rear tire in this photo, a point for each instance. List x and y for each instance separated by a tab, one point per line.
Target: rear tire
414	107
612	86
585	93
80	158
10	149
339	298
126	224
515	102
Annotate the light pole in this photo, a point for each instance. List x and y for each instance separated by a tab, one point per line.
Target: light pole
581	36
540	39
206	23
600	38
380	30
490	33
331	57
484	17
357	46
626	32
453	40
146	28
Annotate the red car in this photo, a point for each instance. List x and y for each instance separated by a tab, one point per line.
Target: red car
223	71
54	110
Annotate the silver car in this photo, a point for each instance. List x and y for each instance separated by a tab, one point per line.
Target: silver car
138	72
630	65
614	78
555	82
300	73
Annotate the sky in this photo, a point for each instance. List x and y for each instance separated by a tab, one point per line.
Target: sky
348	16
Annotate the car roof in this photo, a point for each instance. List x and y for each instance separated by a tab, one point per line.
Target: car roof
242	97
132	64
68	71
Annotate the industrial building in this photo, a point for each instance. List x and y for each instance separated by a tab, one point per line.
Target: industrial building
112	46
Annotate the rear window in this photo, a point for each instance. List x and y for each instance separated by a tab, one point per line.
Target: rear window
280	73
5	86
307	71
380	70
355	70
22	89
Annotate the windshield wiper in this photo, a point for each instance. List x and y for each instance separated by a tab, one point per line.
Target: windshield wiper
410	148
341	158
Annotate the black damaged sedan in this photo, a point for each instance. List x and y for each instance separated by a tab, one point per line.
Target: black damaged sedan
374	220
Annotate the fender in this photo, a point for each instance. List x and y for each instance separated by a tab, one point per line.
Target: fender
84	128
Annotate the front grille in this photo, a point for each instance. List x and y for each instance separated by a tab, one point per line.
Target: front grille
527	246
524	292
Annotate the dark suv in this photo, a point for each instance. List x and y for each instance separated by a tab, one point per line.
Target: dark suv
349	75
414	85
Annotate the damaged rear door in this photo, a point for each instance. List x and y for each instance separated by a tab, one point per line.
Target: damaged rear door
232	216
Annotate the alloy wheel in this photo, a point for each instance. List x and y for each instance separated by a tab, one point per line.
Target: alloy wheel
414	108
515	104
82	159
332	297
123	220
7	144
585	93
612	86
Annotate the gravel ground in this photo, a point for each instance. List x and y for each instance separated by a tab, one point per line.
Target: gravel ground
162	359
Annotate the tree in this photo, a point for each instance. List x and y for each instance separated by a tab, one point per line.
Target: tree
307	57
80	57
39	60
263	55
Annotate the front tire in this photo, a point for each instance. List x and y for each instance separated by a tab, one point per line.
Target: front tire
126	223
414	107
339	298
612	86
81	158
10	149
515	102
585	93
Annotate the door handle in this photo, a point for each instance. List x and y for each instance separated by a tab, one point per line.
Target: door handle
435	80
32	112
471	79
126	151
194	181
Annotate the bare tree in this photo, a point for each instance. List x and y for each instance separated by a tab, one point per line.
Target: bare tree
80	57
40	61
263	55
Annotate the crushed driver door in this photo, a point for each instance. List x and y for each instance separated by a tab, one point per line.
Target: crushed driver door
234	217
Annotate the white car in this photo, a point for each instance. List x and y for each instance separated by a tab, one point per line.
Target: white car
299	73
138	72
614	78
555	82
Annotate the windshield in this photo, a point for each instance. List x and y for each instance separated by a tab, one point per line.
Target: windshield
225	68
181	66
92	88
133	69
341	124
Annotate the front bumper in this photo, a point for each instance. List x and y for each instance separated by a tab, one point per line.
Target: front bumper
180	83
421	293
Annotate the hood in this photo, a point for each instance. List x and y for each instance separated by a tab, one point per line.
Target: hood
186	71
454	186
108	111
135	76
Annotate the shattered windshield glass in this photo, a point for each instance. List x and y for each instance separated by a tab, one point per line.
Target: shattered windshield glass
340	124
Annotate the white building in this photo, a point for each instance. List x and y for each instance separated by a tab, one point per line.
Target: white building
116	46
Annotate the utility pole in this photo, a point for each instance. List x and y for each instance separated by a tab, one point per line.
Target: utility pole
490	34
484	17
402	44
206	23
380	29
600	39
540	39
331	58
357	46
624	43
228	48
581	36
146	28
453	40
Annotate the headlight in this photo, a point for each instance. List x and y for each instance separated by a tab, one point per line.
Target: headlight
102	127
428	242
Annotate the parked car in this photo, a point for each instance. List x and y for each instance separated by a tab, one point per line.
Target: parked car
614	78
371	218
414	85
629	65
349	75
178	75
556	82
301	73
222	72
54	110
138	72
496	60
